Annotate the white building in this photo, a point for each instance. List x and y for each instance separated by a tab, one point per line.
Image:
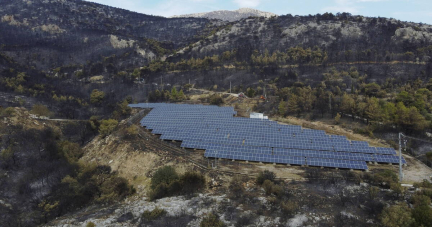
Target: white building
257	115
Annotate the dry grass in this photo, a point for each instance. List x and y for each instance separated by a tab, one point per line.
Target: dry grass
133	163
331	129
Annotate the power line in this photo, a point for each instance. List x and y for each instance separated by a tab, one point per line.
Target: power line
426	141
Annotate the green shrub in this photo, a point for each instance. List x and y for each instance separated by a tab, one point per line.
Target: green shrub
271	188
91	224
91	183
277	190
41	110
96	97
267	185
418	199
166	182
166	175
250	92
212	220
154	214
131	132
423	184
397	215
8	112
387	176
397	189
122	110
71	151
337	119
192	182
265	175
94	123
216	100
422	215
427	192
289	208
160	191
236	189
115	188
174	187
107	127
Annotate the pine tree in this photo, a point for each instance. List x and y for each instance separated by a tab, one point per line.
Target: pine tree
96	97
157	95
401	118
337	118
174	94
389	113
282	108
348	105
181	95
322	101
307	100
292	105
416	120
373	110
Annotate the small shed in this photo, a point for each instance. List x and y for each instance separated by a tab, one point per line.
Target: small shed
257	115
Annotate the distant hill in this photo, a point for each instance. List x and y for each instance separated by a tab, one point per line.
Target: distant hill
58	33
79	40
228	15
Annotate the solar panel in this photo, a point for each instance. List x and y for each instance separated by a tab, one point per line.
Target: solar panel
345	164
388	159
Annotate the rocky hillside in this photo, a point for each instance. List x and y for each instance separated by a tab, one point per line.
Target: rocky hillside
304	48
47	34
228	15
343	37
80	40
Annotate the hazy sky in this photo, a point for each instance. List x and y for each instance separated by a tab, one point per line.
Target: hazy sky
406	10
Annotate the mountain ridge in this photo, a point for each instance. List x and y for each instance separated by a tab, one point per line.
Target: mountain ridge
228	15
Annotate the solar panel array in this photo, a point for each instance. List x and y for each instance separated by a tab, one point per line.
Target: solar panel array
216	130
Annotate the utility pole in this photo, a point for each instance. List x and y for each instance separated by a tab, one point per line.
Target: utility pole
230	86
400	157
330	105
162	83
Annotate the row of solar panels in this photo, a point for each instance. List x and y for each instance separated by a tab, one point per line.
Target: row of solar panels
222	134
210	118
228	134
244	131
180	114
260	128
228	127
321	162
228	123
293	152
223	120
274	143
